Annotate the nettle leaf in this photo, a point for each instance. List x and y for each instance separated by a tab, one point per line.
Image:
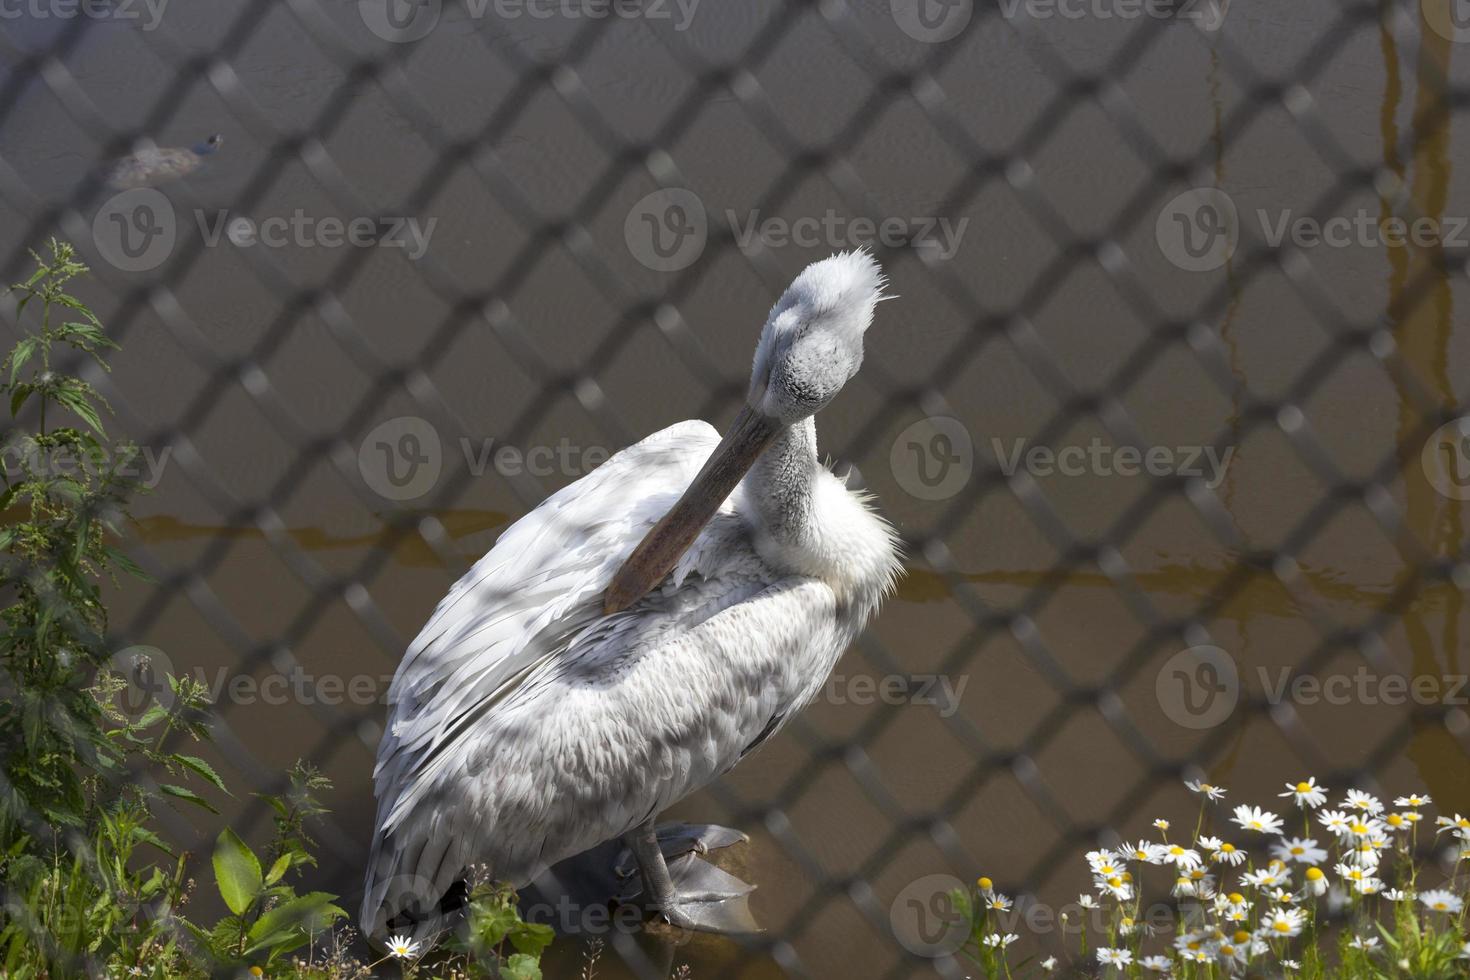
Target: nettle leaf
236	871
290	924
204	769
187	795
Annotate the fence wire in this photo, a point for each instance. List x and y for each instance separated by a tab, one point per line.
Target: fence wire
153	300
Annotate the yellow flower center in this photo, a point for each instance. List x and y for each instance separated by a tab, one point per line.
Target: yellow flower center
1241	936
1281	925
986	884
1227	848
1303	787
1314	874
1237	898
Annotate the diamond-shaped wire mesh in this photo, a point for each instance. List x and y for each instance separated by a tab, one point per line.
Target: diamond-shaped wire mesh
1033	177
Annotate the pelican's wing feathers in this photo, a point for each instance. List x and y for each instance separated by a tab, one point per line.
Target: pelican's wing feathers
516	608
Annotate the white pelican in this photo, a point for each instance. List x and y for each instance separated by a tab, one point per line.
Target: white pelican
633	638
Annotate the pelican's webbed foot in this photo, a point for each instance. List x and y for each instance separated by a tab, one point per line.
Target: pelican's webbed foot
675	883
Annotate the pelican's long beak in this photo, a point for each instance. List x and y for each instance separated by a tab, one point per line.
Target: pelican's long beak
662	548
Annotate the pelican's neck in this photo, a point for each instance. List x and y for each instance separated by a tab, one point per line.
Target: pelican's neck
782	486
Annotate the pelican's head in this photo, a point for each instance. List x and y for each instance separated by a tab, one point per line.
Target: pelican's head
811	346
812	343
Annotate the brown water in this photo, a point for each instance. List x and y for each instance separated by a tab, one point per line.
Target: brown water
274	587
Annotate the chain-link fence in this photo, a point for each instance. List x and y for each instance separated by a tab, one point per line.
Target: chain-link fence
1169	411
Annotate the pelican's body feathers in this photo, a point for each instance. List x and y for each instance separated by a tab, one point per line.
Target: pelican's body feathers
526	726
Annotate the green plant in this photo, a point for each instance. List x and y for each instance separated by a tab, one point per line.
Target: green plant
268	919
88	888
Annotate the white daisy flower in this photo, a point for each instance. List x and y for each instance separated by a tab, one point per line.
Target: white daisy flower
1161	824
998	941
1316	881
1146	852
1158	964
1398	895
1114	957
1183	857
1116	886
402	948
1104	863
1335	821
1363	802
1439	900
1284	923
1222	852
998	902
1364	942
1456	822
1290	965
1212	793
1254	818
1049	964
1361	827
1086	902
1302	850
1307	794
1413	799
1267	878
